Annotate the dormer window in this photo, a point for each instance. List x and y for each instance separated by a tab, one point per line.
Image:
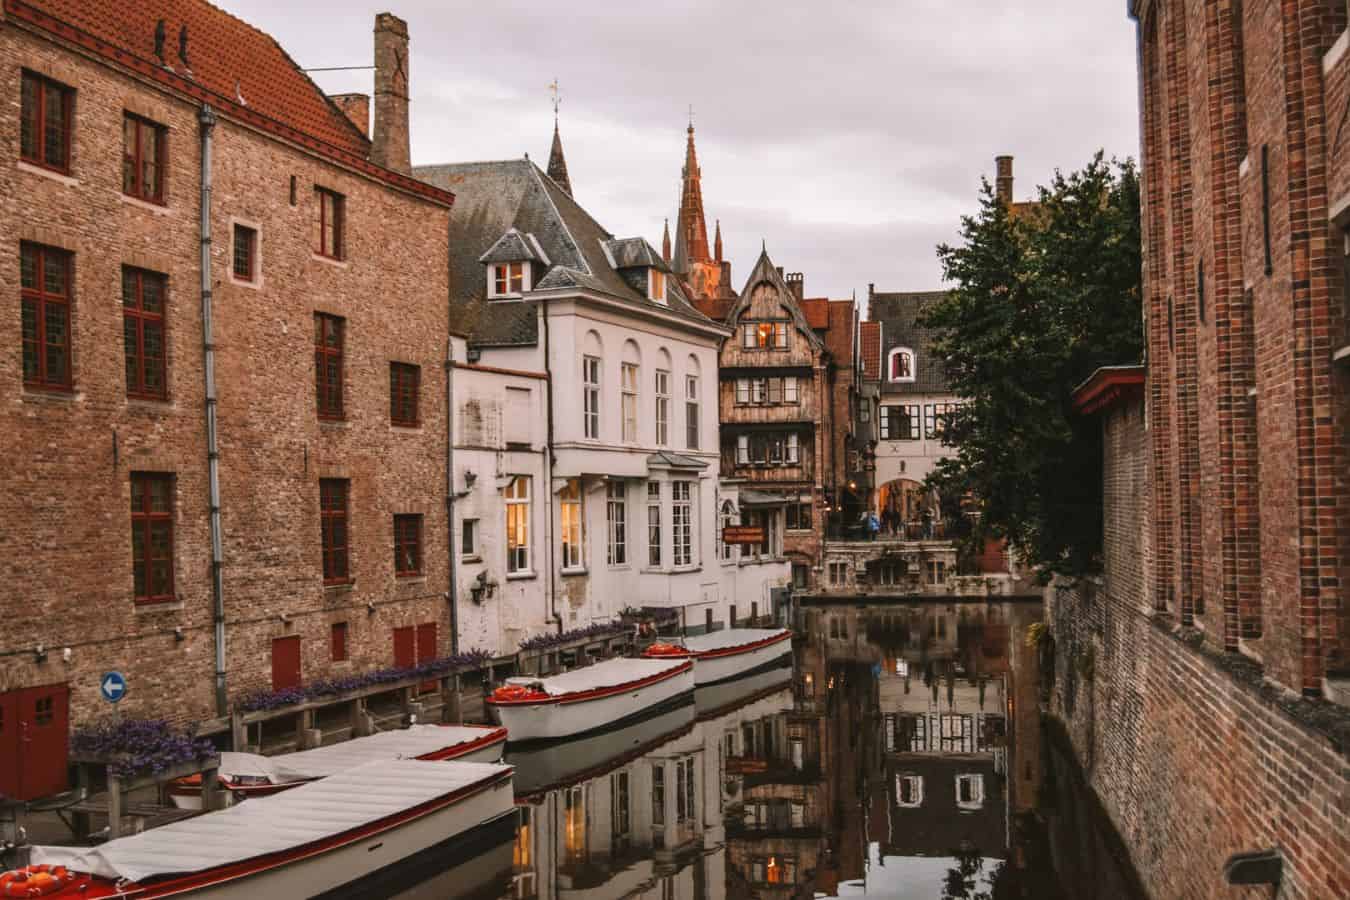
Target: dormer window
656	285
900	364
507	279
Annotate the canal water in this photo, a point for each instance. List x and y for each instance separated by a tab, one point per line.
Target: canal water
901	754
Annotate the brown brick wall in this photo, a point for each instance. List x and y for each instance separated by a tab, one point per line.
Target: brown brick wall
64	491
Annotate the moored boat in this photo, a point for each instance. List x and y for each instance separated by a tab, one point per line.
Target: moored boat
595	698
730	653
247	775
332	835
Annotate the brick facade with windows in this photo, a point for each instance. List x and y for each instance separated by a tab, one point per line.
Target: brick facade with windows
91	456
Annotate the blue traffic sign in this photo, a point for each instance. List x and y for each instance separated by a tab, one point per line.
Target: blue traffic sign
113	686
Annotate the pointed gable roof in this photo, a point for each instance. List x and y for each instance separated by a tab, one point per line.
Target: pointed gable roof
765	271
691	232
515	247
557	165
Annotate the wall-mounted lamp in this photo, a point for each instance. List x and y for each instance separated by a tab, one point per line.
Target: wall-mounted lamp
178	635
40	654
482	589
66	655
284	619
370	608
470	477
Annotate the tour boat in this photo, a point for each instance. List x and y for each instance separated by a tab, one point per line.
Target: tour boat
364	832
713	700
584	700
730	653
248	775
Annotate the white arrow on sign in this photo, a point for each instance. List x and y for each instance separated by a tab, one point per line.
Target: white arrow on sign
112	687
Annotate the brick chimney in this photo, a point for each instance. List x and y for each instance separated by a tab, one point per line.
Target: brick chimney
1003	180
389	143
797	284
356	107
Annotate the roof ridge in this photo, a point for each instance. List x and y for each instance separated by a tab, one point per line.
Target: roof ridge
539	176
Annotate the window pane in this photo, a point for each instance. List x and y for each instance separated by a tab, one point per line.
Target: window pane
28	129
54	273
54	143
128	155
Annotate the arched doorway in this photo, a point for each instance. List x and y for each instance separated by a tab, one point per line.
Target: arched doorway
907	509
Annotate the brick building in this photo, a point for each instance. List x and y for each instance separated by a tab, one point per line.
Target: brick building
177	183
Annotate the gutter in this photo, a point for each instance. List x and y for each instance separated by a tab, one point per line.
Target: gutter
207	119
451	595
551	608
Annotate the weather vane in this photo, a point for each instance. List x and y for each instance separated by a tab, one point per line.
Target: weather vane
557	97
691	115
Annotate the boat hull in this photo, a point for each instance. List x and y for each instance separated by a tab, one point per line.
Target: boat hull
561	717
714	667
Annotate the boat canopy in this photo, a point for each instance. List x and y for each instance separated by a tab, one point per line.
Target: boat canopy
607	674
402	743
277	824
731	637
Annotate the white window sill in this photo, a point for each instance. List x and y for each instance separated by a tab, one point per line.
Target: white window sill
337	263
506	296
521	576
254	284
680	570
574	570
620	567
475	558
32	169
159	209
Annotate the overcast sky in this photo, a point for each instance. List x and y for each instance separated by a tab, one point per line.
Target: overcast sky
849	135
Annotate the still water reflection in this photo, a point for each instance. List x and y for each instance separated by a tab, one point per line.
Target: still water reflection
900	755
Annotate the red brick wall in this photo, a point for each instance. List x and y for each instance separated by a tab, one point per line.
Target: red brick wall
64	490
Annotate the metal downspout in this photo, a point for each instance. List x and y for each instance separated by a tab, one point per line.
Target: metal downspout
551	613
207	119
453	594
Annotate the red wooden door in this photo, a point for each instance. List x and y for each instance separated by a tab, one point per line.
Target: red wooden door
405	647
9	744
286	662
426	649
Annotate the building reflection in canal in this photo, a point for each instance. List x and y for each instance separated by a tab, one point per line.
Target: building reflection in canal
898	756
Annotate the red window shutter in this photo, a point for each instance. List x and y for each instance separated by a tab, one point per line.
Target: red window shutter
339	642
285	662
426	650
405	647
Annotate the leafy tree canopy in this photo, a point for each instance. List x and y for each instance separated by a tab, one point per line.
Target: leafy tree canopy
1043	295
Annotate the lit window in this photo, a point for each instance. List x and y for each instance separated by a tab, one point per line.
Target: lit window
518	524
570	501
508	279
656	285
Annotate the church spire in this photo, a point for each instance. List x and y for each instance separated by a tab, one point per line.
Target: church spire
665	243
557	165
691	233
717	243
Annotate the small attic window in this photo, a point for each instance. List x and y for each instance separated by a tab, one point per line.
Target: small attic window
509	279
656	285
900	364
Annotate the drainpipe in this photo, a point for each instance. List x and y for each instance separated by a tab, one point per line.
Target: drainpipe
207	119
453	594
551	610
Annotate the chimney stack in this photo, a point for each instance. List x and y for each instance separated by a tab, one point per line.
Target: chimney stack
389	144
797	284
1003	181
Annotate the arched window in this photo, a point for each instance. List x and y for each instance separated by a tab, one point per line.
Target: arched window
900	364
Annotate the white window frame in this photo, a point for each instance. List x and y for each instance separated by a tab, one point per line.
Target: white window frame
572	517
691	412
890	365
511	272
654	554
976	781
591	371
742	449
742	391
616	523
793	454
628	400
663	407
468	535
790	390
682	523
518	508
656	285
727	517
915	783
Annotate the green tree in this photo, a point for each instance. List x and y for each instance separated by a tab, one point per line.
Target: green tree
1043	295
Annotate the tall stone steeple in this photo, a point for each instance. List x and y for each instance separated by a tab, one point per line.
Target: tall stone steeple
717	243
557	166
691	233
665	243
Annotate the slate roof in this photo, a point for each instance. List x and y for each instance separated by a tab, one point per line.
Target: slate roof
897	314
491	198
514	247
630	252
227	56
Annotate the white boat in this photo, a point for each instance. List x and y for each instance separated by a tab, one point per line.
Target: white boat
730	653
356	833
591	699
713	700
248	775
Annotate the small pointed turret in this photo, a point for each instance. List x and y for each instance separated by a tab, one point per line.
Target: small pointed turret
665	243
717	242
557	165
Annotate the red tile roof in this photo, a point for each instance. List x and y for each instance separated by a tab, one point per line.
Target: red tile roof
870	338
229	59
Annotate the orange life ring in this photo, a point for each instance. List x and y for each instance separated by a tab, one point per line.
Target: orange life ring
516	693
665	650
35	881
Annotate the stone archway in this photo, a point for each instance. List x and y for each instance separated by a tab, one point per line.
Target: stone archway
901	505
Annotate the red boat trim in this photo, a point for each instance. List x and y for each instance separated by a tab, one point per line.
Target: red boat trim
742	648
598	693
493	736
603	768
234	871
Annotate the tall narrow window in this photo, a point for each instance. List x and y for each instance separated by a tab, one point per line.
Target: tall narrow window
336	543
691	412
332	223
659	794
743	449
619	819
742	391
792	452
338	641
1200	286
518	524
629	386
468	539
656	286
616	520
152	536
44	289
407	546
45	122
590	396
728	520
245	253
1265	207
662	408
570	498
404	386
790	389
328	365
681	522
654	524
574	825
143	332
142	159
